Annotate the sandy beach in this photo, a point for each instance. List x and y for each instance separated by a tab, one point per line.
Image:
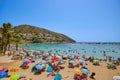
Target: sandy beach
102	73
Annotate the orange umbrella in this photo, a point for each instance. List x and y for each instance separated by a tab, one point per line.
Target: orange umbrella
14	69
78	71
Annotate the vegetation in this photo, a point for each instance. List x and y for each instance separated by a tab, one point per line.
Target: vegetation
28	34
5	39
32	34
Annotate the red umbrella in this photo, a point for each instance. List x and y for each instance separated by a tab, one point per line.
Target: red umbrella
55	60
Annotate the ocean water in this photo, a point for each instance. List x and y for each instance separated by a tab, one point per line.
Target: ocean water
92	49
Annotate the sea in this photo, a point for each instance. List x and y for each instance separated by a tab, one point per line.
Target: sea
95	49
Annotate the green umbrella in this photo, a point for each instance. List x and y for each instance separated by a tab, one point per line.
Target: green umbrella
14	77
109	63
96	61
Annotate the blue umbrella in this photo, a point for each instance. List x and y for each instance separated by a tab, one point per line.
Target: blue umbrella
84	63
50	69
58	77
43	62
3	74
86	71
39	66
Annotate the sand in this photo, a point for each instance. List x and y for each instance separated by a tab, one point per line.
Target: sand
102	73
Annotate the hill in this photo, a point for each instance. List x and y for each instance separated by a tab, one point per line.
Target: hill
33	34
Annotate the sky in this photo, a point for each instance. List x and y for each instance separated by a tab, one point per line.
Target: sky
81	20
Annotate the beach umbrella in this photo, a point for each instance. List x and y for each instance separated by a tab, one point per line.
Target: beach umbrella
81	60
78	72
71	57
3	70
84	63
65	56
71	61
43	62
27	61
86	71
78	55
3	74
50	69
59	57
43	65
77	61
109	63
96	61
116	77
55	60
14	77
58	77
14	69
39	66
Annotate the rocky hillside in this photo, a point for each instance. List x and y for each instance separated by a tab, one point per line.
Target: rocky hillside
33	34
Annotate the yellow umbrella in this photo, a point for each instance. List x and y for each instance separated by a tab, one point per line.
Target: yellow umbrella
78	72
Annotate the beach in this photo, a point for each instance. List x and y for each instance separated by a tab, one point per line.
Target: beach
102	73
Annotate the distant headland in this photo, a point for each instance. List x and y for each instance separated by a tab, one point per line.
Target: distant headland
33	34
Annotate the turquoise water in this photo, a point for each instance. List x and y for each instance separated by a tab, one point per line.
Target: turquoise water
95	50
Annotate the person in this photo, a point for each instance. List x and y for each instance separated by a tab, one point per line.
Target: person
92	76
30	79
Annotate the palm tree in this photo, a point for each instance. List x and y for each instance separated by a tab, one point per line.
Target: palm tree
17	40
0	43
9	39
6	27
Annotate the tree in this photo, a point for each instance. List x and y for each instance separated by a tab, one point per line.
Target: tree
17	40
9	39
0	43
6	27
